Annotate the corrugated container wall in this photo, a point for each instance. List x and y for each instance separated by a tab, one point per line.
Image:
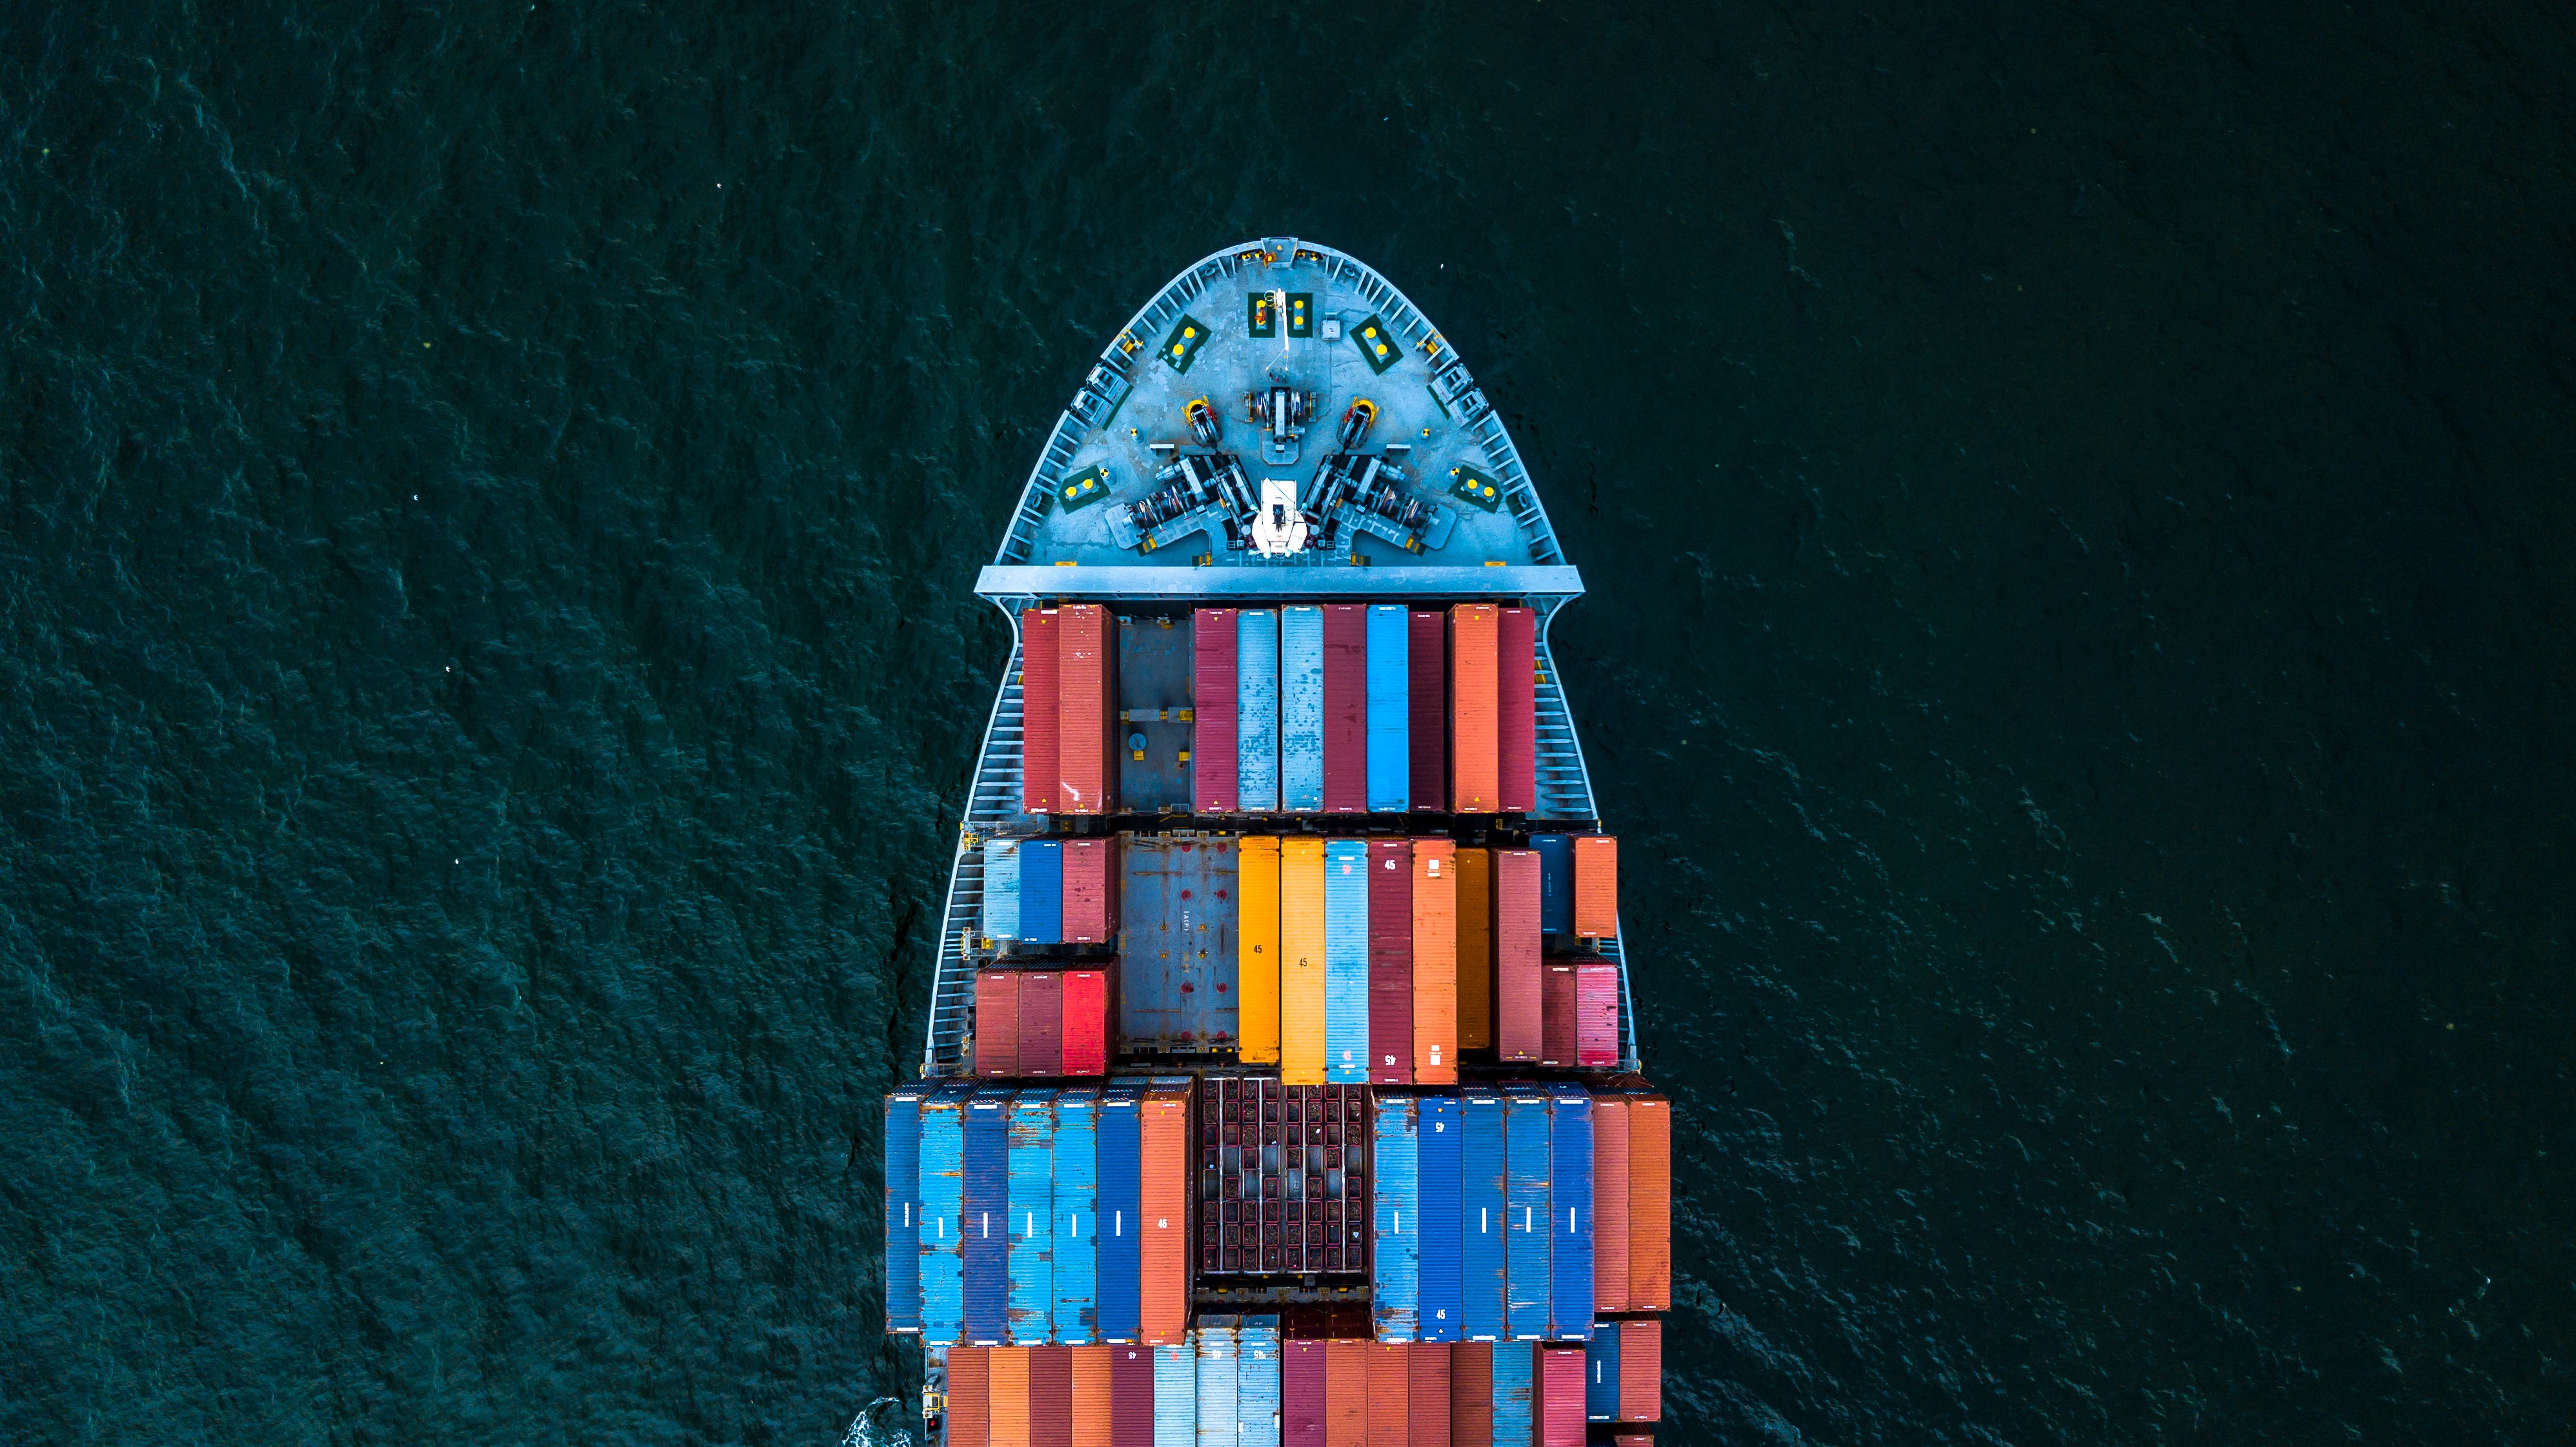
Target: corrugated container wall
987	1214
1257	1391
1475	782
1437	1130
1650	1203
1176	1394
1007	1397
1390	961
1164	1264
1569	1296
1475	949
943	1186
1346	1394
1041	1023
997	1023
1038	710
1427	709
1560	1392
1076	1264
1596	1014
1091	891
1345	708
1051	1396
1215	698
1610	1202
1641	1370
970	1422
1257	943
1390	729
1516	709
1303	932
1301	1394
1555	882
1002	889
1527	1162
1131	1396
1095	1407
1086	706
1601	1374
1484	1214
1086	1022
1390	1394
1596	885
1395	1284
1031	1221
1301	709
1218	1383
1515	1393
903	1207
1556	1014
1256	721
1471	1395
1042	891
1115	1221
1428	1363
1346	941
1517	1004
1435	962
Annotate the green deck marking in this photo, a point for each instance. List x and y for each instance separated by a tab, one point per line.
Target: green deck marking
1475	487
1083	488
1260	318
1181	344
1301	313
1377	345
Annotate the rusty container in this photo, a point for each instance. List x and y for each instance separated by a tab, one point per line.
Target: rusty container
1086	691
1435	962
1518	1006
1596	885
1429	1364
1475	779
1390	1393
997	1023
1641	1370
1390	961
1041	1023
1345	709
1091	891
1051	1396
1596	1014
969	1417
1556	1015
1609	1201
1007	1397
1516	709
1475	948
1164	1177
1214	749
1427	708
1037	710
1087	994
1471	1394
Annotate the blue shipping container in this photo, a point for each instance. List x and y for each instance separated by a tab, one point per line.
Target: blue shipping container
1032	1220
903	1207
1395	1295
1120	1140
1527	1160
1218	1382
1436	1126
1042	891
1483	1214
1601	1374
1390	687
1256	702
1515	1394
1346	961
1176	1395
943	1183
1077	1216
1257	1390
985	1214
1301	709
1555	882
1569	1294
1001	889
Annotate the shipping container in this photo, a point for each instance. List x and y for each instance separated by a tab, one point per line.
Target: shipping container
1094	1404
1475	781
1439	1137
1560	1391
1345	708
987	1209
1346	952
1091	874
1475	949
997	1023
1428	1365
1302	933
1086	1021
1041	1023
1257	1403
1596	885
1389	709
1219	1423
1031	1222
1176	1394
1042	891
1556	1014
1121	1112
1006	1402
1390	1393
1051	1396
1038	710
1641	1370
1301	1394
1650	1202
1215	698
1435	962
1164	1258
1346	1393
970	1422
1516	708
1176	976
1427	710
943	1185
1471	1395
1555	882
1086	693
1256	722
1390	961
1518	1010
903	1207
1395	1279
1528	1162
1515	1394
1596	1014
1076	1254
1257	956
1484	1215
1301	709
1001	889
1131	1396
1601	1374
1610	1202
1569	1295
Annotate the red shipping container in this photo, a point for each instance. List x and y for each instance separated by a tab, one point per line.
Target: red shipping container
1051	1396
1516	708
1390	1394
1556	1016
1430	1364
1609	1202
1517	1007
1086	691
1560	1392
1427	708
1086	1022
1346	1393
1090	891
1390	961
1345	709
1471	1394
1650	1203
1596	885
1041	1023
997	1023
1475	780
1131	1396
1641	1371
1596	1014
970	1423
1301	1394
1037	710
1213	755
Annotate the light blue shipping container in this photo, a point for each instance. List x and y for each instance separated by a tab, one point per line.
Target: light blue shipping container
1176	1395
1256	702
1527	1160
1042	891
1555	882
1483	1214
1569	1292
1515	1394
1395	1295
1029	1320
1257	1381
1077	1217
1301	709
1114	1226
1219	1382
1390	688
1001	889
1346	961
1436	1126
903	1207
943	1165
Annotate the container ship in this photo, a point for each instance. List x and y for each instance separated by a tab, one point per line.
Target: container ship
1281	1085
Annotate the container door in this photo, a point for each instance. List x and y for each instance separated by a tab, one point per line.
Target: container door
1256	723
1301	709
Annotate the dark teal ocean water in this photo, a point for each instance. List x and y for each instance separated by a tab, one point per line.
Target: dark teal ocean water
2076	501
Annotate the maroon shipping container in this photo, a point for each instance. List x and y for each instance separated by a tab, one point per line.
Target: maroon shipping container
1641	1371
1087	1013
1471	1394
1609	1202
1090	891
1131	1396
1037	710
1301	1394
1086	691
1430	1394
997	1023
1560	1393
1556	1016
1427	708
1390	961
1516	676
1596	1014
1051	1396
1345	709
1041	1023
1213	755
1517	1005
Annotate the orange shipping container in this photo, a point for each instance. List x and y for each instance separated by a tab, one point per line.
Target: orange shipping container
1091	1396
1086	693
1641	1370
1650	1203
1256	975
1390	1394
1435	962
1038	726
1301	961
1430	1362
1163	1256
1609	1202
1346	1393
1008	1396
1475	766
969	1422
1596	885
1475	949
1471	1394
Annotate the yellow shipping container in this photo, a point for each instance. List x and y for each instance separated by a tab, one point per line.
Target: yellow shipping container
1301	961
1475	949
1256	975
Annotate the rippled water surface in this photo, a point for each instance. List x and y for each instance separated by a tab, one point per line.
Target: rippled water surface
2076	507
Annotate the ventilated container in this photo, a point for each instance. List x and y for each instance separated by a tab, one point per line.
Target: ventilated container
1038	727
1346	952
1301	709
1303	930
1475	781
1427	710
1516	708
1256	723
1518	1009
1475	948
1215	698
1390	961
1390	683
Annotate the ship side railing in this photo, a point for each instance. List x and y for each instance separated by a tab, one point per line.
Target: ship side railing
993	803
